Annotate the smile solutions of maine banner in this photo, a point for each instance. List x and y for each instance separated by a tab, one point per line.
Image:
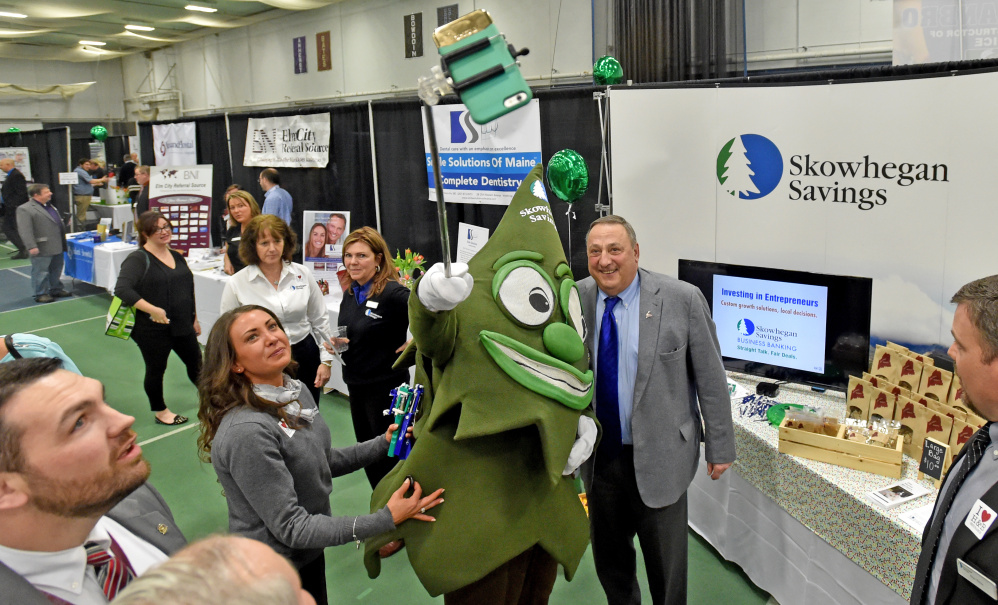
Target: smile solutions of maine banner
483	163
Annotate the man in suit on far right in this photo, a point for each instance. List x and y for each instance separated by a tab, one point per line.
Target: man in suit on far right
959	560
660	390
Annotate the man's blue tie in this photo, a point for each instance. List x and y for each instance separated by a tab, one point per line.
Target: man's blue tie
607	406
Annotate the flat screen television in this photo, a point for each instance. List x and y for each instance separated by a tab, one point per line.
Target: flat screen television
795	326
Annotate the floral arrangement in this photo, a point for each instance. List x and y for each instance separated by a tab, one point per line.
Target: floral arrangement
408	265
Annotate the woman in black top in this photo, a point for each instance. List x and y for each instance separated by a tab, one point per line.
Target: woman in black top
375	310
242	208
158	283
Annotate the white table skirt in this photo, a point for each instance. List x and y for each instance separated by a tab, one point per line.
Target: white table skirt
107	263
779	554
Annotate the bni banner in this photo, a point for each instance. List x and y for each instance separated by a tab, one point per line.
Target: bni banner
183	195
175	144
483	163
288	141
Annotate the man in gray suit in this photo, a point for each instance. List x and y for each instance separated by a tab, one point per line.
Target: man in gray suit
660	390
74	502
44	236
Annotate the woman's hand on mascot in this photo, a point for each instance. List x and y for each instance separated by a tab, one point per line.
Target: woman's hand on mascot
415	506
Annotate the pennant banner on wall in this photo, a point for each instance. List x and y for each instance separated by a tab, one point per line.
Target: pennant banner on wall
288	141
483	163
175	144
183	195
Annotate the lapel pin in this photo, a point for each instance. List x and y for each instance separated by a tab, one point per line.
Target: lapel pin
161	528
648	314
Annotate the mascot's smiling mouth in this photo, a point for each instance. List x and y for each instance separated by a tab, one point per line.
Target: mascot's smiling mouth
539	372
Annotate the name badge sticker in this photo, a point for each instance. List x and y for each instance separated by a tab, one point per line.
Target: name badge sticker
980	519
290	432
372	304
976	578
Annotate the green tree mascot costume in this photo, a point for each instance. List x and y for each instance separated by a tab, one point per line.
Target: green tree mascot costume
505	417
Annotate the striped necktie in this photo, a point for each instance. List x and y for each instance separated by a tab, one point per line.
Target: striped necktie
111	566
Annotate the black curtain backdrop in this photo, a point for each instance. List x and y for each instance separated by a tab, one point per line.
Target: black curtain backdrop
213	149
569	120
47	151
346	183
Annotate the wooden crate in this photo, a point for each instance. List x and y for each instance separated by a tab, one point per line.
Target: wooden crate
837	450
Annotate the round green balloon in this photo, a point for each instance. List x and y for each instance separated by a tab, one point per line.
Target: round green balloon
98	132
607	70
13	129
567	175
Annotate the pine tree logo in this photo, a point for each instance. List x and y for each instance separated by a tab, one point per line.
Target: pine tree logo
749	167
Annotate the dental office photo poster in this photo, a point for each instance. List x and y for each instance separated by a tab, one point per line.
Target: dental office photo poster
22	161
322	250
483	163
183	195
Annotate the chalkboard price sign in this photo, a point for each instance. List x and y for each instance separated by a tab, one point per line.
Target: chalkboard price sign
935	459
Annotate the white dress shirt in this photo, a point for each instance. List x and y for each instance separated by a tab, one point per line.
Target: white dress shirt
297	301
65	574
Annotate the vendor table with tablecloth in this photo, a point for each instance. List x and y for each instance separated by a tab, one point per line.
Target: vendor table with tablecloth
803	530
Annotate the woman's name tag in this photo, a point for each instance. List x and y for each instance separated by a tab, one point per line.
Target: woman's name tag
977	579
372	304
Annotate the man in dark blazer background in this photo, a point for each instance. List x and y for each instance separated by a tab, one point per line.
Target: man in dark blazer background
44	236
72	479
13	192
959	560
666	393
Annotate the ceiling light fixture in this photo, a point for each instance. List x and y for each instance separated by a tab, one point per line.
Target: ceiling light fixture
202	9
139	28
93	43
13	15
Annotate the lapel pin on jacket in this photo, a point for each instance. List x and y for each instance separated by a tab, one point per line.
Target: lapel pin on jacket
648	314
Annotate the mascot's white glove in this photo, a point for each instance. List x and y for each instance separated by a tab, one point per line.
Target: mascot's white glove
583	446
440	293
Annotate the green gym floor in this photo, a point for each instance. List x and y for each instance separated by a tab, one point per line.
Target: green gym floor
194	495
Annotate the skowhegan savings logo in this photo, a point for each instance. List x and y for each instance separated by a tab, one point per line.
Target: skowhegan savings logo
749	166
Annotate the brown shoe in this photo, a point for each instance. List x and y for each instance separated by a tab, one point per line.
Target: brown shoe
391	548
44	298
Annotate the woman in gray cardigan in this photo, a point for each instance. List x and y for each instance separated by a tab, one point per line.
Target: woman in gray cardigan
271	449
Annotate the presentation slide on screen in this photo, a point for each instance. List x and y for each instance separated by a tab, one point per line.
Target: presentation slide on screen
777	323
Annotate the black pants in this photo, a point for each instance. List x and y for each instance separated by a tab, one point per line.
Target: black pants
368	403
527	579
313	579
156	351
616	514
10	230
306	353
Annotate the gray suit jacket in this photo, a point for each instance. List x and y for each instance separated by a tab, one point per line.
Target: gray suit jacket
679	363
142	513
38	230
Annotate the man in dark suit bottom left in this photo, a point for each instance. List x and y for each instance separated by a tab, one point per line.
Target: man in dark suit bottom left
77	518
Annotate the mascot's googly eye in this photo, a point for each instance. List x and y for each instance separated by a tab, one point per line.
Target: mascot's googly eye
527	296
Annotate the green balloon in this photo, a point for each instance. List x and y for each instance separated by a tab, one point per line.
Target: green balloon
607	70
99	133
13	129
568	175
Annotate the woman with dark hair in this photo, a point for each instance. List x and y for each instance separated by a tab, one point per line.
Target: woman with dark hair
157	282
375	311
267	441
315	247
271	280
242	209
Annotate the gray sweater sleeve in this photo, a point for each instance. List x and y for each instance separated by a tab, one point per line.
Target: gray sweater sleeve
253	458
345	460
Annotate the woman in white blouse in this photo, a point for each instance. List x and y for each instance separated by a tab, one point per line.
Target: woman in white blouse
288	289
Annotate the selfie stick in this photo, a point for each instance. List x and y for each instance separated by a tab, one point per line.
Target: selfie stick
439	185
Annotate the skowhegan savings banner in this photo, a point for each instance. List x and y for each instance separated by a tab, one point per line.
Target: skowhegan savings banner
892	180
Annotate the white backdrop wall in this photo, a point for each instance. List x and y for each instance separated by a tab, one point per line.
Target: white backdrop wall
919	243
252	66
102	101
